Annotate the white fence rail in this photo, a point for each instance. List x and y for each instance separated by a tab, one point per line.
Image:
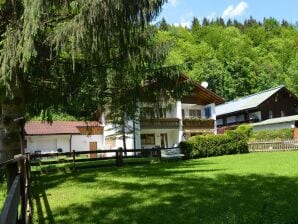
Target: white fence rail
273	145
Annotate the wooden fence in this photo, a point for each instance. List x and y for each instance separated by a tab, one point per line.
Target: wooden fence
18	191
273	145
74	157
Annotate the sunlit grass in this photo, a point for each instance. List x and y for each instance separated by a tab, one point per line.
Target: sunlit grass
250	188
3	193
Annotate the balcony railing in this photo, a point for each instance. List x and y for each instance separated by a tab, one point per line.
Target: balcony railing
161	123
196	123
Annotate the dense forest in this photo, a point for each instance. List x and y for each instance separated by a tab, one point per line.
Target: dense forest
236	59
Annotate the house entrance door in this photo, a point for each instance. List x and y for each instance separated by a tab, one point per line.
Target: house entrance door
164	140
93	147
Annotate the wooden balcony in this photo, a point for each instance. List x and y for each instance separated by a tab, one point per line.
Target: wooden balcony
160	123
194	123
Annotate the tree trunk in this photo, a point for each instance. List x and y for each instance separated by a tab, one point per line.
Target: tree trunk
123	135
10	135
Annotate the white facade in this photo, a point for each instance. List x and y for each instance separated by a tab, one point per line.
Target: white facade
50	143
163	136
113	136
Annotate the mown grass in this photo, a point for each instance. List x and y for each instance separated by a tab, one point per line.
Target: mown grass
3	193
250	188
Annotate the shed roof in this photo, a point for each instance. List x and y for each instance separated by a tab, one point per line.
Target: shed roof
57	127
246	102
277	120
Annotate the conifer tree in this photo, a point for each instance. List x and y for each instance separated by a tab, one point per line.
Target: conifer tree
195	25
163	25
71	54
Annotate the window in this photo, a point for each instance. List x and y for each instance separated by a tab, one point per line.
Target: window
231	119
208	112
282	113
147	139
147	112
240	118
183	113
195	113
162	113
270	114
219	122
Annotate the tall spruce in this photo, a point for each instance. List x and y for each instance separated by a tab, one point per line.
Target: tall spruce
195	25
75	54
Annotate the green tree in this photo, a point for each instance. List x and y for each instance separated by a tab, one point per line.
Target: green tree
163	25
195	25
98	40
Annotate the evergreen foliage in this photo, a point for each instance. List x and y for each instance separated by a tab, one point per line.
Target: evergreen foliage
80	56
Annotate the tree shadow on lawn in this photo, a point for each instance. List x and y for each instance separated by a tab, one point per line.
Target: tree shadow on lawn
52	180
222	199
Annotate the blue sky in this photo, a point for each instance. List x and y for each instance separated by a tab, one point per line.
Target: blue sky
182	11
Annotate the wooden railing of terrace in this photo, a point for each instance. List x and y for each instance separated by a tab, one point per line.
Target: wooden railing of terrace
167	123
18	191
198	123
273	145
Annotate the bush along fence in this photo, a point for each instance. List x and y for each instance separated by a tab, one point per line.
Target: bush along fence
16	207
232	142
273	145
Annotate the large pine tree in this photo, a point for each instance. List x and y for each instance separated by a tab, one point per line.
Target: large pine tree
72	54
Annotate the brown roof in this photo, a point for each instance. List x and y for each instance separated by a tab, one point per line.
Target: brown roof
201	95
57	127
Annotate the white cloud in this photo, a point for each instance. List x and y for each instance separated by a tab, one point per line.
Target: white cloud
211	16
232	11
185	21
173	2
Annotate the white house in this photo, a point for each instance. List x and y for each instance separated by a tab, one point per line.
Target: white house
63	135
194	114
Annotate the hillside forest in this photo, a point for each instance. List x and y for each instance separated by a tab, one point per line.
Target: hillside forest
236	59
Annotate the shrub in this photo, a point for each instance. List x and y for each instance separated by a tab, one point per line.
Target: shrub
281	134
232	142
2	175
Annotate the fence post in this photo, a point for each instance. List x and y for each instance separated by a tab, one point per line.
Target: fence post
11	172
73	160
159	153
28	186
28	167
22	174
119	157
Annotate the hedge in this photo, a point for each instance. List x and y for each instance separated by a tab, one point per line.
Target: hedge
232	142
282	134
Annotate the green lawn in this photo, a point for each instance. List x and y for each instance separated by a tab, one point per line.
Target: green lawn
250	188
3	190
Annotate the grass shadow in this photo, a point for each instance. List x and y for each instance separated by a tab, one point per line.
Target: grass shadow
172	193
